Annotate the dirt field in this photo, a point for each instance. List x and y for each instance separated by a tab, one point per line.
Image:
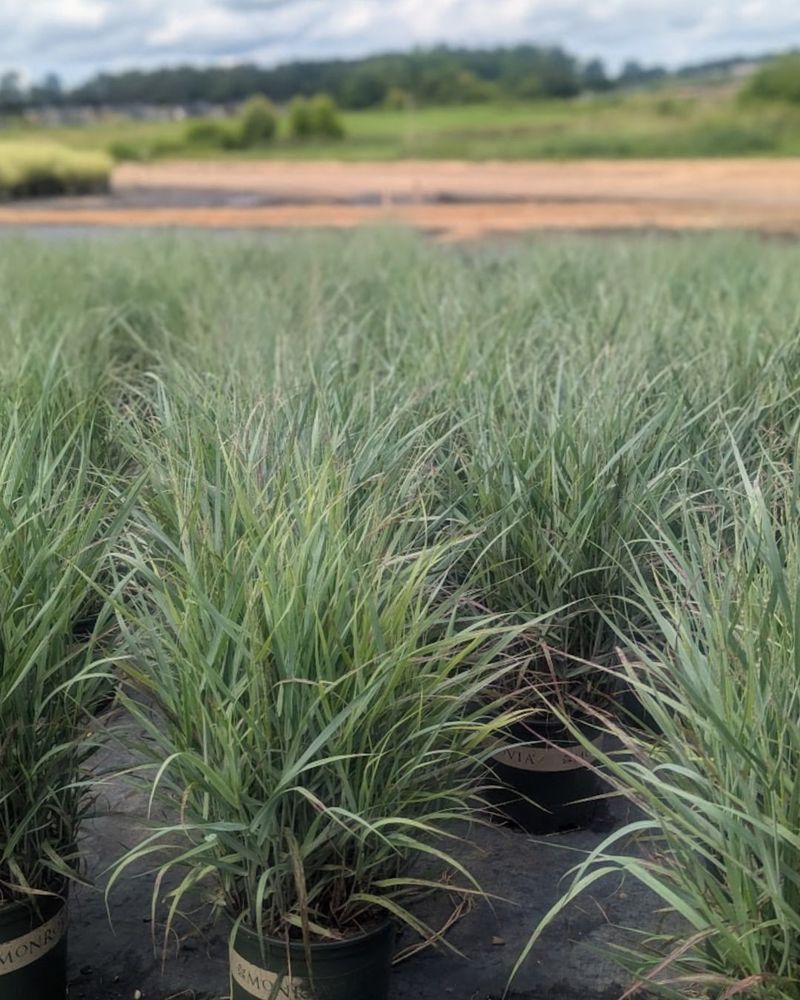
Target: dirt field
452	199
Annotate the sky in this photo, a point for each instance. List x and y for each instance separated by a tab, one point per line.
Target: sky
76	38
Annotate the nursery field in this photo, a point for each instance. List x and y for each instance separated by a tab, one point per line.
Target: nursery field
360	594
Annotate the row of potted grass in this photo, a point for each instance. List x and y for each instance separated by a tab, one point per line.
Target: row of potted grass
208	493
327	598
34	169
58	527
716	789
316	712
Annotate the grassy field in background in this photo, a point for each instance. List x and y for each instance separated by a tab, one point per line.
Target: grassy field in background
653	124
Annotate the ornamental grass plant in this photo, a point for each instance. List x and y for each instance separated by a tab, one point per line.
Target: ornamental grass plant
717	788
60	515
313	713
557	482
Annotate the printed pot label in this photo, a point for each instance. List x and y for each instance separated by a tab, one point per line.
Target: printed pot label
25	950
544	758
267	985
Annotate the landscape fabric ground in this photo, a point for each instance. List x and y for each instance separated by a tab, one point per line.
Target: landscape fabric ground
112	960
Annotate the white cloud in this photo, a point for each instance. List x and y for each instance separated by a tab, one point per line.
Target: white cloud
77	37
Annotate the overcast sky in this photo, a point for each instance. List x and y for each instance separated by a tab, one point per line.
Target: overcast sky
77	37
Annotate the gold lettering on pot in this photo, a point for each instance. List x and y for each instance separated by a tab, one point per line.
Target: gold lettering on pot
25	950
524	758
267	985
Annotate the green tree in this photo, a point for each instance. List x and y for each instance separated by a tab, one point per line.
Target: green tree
779	80
364	89
595	76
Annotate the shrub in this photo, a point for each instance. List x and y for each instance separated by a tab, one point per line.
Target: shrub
209	133
318	117
122	150
143	150
325	118
258	123
779	80
300	118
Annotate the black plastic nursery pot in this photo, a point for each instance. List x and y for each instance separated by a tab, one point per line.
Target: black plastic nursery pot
355	969
33	951
83	627
633	711
543	776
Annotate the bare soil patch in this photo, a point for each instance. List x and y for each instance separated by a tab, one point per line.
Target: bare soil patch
456	200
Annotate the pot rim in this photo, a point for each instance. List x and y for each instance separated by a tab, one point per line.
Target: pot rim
383	929
550	729
23	900
11	911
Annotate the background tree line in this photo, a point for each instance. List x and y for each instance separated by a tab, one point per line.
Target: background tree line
440	75
436	76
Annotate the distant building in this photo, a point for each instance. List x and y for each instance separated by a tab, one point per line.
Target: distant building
744	69
64	115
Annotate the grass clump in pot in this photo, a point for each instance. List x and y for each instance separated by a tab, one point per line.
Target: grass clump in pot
718	788
557	475
313	715
556	472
